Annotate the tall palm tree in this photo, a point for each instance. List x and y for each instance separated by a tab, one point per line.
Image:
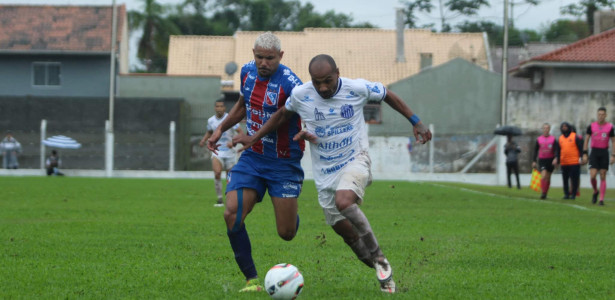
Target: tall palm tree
154	44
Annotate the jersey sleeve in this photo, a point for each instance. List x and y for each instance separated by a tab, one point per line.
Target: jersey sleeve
209	127
291	102
611	132
374	91
589	130
242	76
290	82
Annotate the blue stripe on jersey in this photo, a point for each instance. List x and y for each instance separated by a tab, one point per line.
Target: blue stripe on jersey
263	97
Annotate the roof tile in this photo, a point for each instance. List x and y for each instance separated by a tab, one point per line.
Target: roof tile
63	28
596	48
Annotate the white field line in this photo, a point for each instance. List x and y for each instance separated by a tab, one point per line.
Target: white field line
579	207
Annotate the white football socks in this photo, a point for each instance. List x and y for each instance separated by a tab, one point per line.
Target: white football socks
218	185
358	219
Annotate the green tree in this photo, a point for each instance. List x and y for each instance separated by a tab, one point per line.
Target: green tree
566	31
281	15
587	8
154	44
447	11
495	33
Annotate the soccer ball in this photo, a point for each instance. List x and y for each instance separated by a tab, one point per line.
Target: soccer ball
283	281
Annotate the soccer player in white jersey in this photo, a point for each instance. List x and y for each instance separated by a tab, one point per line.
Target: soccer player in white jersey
226	156
332	109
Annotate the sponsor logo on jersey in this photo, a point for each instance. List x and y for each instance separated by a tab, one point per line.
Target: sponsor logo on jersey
331	112
339	129
294	80
335	168
336	157
334	145
291	186
318	116
352	94
374	89
346	111
320	131
307	99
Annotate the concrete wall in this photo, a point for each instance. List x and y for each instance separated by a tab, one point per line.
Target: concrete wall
458	96
141	130
81	76
529	110
200	92
577	79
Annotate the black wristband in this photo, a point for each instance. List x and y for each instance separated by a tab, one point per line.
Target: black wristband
585	152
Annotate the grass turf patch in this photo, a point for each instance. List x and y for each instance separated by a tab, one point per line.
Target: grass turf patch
162	238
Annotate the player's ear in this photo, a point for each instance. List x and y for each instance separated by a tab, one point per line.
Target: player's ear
281	54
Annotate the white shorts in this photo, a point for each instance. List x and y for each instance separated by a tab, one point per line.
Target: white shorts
227	162
355	176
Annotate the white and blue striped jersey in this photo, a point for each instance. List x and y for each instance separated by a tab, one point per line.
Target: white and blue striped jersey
338	123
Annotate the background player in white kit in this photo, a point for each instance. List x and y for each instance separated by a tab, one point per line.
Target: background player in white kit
332	109
227	156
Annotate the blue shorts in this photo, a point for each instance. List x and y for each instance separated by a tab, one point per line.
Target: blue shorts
283	178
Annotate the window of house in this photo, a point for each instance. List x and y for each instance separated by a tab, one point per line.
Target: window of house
372	113
426	60
46	73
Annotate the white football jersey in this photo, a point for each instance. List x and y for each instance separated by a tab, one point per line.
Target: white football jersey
227	136
338	123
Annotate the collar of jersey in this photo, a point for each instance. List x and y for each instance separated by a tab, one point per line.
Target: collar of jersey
339	86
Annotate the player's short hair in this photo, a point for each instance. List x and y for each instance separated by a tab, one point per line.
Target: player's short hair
546	124
221	100
602	108
268	40
323	57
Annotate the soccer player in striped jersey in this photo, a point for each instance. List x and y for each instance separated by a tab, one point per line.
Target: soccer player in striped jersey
272	163
332	109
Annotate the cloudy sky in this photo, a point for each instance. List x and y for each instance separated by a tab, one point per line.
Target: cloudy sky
380	13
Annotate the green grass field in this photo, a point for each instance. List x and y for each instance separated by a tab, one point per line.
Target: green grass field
96	238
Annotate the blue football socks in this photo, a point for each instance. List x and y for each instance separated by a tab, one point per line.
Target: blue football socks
240	242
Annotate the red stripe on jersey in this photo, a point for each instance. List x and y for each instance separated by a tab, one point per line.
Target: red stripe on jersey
283	144
257	97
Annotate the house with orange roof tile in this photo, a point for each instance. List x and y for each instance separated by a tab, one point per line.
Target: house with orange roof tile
59	50
587	65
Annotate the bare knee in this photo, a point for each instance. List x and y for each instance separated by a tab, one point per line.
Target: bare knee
229	218
344	199
287	235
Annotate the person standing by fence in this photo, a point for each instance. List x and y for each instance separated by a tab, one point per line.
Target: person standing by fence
10	149
512	150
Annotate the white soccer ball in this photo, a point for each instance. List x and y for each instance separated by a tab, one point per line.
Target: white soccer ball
284	282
